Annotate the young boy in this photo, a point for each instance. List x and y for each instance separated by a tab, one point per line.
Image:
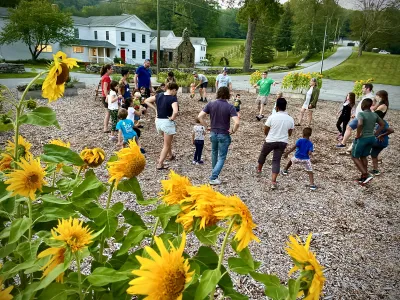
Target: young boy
381	142
365	139
161	88
125	129
304	148
198	136
237	103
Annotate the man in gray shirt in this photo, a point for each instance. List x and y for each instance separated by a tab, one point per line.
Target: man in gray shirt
202	84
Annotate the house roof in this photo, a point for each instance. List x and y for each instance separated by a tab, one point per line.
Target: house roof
4	12
163	33
105	20
166	42
198	40
80	20
90	43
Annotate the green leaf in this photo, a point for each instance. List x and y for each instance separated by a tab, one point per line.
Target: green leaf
28	292
8	205
135	235
18	228
208	236
103	276
134	219
208	281
206	258
109	220
132	185
6	127
7	249
53	274
239	265
28	249
56	154
273	287
54	199
55	213
294	287
244	254
90	189
19	267
5	233
56	291
234	295
117	208
173	227
166	210
41	116
66	185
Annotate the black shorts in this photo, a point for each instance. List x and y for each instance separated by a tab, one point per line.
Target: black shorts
204	85
147	93
127	103
104	101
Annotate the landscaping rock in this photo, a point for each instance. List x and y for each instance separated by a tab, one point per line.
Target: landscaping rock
11	68
278	68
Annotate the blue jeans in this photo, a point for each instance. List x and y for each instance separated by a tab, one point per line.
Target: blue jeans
219	145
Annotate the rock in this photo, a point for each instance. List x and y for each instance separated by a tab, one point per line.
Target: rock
11	68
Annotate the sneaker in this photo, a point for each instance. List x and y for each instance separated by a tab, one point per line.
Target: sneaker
112	138
375	172
194	162
284	172
368	179
142	151
258	172
273	186
313	187
259	117
215	181
201	100
340	146
200	162
205	100
360	180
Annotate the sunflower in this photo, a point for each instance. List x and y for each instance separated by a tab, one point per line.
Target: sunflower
304	259
54	84
93	157
62	144
56	259
5	161
73	234
26	180
164	276
232	206
23	148
174	188
130	163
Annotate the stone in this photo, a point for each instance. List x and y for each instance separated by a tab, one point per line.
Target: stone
11	68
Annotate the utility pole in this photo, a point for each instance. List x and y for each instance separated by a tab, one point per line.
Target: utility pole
337	42
323	46
158	37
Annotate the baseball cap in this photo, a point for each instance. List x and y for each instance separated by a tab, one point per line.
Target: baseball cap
194	73
225	69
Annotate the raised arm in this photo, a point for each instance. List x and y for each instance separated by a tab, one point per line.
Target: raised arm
201	117
136	82
150	102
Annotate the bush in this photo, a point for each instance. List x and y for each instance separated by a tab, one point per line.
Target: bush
357	89
119	60
184	79
291	65
298	80
255	77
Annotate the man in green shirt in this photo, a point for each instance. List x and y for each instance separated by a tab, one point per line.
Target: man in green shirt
265	88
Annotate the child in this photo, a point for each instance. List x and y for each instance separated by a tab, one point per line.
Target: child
161	88
278	95
344	114
135	111
237	104
365	139
192	90
143	97
125	130
381	142
304	148
198	141
112	100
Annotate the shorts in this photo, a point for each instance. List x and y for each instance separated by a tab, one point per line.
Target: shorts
204	85
104	101
166	126
262	99
375	151
353	124
305	104
305	162
362	147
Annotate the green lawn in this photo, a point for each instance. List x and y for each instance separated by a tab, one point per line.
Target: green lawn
16	75
383	68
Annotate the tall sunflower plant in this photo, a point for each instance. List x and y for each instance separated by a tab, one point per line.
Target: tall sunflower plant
64	233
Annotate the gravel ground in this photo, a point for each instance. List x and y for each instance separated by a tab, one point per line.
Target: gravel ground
356	229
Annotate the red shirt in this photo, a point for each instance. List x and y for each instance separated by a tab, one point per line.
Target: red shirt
107	79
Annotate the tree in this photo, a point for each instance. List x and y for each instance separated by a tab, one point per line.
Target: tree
283	39
37	24
262	50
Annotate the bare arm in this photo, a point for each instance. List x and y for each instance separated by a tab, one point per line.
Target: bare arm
230	87
266	130
136	81
174	111
381	126
290	131
359	128
114	99
201	117
193	138
105	87
236	125
388	131
150	102
120	143
290	150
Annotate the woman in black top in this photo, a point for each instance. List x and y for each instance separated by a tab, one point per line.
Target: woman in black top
345	113
382	106
166	107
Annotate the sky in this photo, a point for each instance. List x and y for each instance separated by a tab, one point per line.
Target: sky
349	4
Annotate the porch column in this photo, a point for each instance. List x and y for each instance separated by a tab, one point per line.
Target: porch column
97	54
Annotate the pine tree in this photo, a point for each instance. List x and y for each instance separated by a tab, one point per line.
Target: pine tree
283	39
262	51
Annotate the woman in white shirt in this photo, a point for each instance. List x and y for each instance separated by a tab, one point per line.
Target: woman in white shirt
310	101
112	100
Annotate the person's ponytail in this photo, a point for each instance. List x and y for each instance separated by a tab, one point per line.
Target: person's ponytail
104	69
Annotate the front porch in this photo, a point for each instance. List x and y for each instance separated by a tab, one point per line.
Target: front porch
100	55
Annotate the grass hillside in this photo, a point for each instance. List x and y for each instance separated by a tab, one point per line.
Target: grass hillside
383	68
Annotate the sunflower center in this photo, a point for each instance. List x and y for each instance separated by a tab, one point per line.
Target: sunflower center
33	179
63	76
174	284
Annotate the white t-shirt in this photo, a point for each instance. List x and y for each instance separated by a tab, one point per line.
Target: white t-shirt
358	109
279	125
308	97
223	80
131	114
199	132
112	105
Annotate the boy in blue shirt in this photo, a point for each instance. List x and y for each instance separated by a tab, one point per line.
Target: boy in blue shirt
304	148
125	129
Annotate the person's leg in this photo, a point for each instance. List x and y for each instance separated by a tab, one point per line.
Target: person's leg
258	102
301	114
205	94
364	161
345	122
165	150
214	149
200	150
196	154
350	127
224	140
339	125
106	120
375	151
356	155
263	103
201	94
276	159
310	113
289	164
265	150
359	164
311	177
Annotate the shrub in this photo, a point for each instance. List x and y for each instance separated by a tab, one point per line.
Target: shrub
255	77
357	89
291	65
298	80
184	79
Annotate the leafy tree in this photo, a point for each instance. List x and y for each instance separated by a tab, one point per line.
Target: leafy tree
37	24
283	39
262	50
9	3
228	27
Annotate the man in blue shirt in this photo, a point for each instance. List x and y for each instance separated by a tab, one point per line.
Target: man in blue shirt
143	78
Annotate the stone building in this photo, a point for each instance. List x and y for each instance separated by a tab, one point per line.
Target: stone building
175	52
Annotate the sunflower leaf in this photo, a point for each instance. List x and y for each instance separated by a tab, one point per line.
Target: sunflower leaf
208	281
56	154
53	274
6	127
273	287
294	287
206	258
18	228
166	211
135	235
208	236
103	276
239	265
89	189
132	185
244	254
133	218
41	116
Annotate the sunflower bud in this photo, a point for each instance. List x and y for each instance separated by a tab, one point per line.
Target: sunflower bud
93	157
31	104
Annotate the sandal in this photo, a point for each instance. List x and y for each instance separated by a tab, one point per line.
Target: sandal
173	157
107	131
162	168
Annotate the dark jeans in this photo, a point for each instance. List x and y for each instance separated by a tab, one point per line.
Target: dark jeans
219	149
137	130
342	119
278	148
199	144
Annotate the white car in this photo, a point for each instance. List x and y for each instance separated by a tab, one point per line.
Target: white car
384	52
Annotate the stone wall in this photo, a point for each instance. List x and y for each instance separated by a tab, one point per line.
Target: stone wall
211	71
11	68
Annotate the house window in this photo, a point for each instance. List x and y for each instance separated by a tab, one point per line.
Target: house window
143	54
95	35
133	53
76	33
108	52
122	36
107	35
77	49
143	38
133	37
170	56
47	48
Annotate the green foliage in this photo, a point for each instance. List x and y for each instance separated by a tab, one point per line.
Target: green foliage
37	24
291	65
283	38
184	79
262	50
299	80
255	77
357	89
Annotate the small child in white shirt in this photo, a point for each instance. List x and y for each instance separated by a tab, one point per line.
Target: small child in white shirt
198	141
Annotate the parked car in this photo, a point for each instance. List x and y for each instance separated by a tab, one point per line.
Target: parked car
384	52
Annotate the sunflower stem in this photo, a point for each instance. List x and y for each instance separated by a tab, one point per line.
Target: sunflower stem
29	202
154	231
79	172
110	194
221	254
78	264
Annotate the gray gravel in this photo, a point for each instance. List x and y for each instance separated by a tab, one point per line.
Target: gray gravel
356	229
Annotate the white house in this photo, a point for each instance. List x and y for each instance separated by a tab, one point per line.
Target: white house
98	39
200	48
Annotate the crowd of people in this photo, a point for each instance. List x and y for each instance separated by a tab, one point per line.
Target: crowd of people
125	107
